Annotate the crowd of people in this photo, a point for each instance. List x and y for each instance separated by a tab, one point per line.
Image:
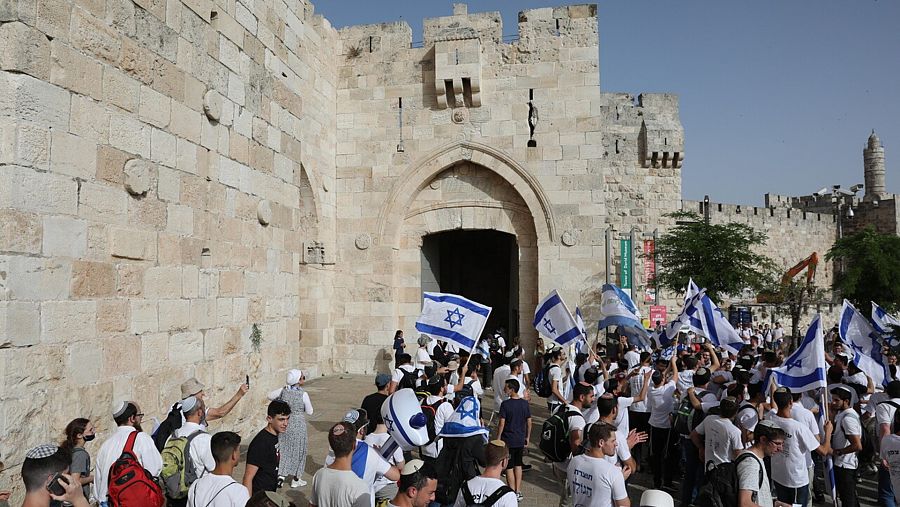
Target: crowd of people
697	422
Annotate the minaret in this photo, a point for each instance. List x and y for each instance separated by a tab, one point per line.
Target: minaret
873	160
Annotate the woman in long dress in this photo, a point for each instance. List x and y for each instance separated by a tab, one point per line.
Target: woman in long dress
292	444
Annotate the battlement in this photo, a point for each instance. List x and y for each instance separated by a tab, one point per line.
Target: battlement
740	212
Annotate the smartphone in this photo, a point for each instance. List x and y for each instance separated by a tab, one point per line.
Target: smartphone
247	380
55	488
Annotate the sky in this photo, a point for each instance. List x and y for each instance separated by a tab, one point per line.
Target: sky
775	96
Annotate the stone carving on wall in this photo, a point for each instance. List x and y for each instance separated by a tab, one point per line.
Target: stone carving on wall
363	241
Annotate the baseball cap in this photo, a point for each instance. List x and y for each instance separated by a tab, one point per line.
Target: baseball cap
191	387
382	379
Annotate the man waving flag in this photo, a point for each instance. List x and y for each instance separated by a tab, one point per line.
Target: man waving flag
716	327
617	309
553	320
857	333
883	322
805	369
452	318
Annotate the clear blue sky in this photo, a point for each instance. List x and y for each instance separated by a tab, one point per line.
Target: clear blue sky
776	96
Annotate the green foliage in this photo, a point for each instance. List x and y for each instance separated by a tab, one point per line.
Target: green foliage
717	256
868	268
795	300
255	337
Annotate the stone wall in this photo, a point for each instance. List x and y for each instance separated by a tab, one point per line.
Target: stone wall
164	163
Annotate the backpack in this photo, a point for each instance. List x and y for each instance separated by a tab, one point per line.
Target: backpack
487	502
409	379
686	417
178	471
430	411
543	383
465	391
172	422
722	484
450	473
555	435
130	485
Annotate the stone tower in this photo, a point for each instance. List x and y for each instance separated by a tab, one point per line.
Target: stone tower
873	159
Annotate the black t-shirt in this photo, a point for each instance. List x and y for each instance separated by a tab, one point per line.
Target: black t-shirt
263	452
372	405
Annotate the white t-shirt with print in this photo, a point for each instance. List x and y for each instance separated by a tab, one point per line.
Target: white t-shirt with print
890	452
483	487
661	401
217	491
748	479
721	439
884	414
594	482
637	383
789	465
846	423
556	375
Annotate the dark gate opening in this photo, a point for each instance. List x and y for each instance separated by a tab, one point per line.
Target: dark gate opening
482	265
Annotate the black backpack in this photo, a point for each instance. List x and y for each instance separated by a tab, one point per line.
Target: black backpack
464	392
450	471
430	411
555	435
543	384
166	428
868	448
722	486
487	502
408	380
686	417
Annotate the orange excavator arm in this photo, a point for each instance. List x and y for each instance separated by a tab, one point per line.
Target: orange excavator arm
811	262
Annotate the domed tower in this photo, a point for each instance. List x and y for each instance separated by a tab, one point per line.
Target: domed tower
873	160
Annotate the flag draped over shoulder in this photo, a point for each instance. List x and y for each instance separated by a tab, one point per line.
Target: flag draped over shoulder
553	320
452	318
858	333
883	322
617	309
805	369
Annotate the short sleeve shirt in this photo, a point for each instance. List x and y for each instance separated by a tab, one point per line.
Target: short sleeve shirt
721	439
789	465
263	453
556	375
81	464
890	452
846	424
595	482
515	413
748	470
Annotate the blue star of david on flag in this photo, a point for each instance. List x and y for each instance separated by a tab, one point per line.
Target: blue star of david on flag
553	319
805	369
549	326
468	408
454	318
858	333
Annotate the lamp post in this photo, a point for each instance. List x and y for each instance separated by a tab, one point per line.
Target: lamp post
706	209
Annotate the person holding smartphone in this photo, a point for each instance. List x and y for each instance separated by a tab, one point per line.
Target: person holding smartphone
45	473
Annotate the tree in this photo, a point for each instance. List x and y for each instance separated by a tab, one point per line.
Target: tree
869	268
794	300
719	257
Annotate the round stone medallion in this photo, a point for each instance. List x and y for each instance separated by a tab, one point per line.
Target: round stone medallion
363	241
569	238
459	115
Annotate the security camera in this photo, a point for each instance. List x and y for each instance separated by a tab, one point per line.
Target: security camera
821	192
857	187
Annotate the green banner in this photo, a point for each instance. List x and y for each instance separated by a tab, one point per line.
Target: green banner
625	271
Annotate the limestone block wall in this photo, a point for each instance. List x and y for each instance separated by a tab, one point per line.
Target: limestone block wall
162	164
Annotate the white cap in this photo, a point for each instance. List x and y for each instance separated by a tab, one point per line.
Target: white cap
293	376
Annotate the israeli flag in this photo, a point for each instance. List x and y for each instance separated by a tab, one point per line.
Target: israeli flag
687	318
691	290
805	369
857	333
617	309
553	320
452	318
883	322
581	346
716	327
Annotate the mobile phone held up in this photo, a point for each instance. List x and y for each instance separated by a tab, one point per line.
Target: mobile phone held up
55	488
247	380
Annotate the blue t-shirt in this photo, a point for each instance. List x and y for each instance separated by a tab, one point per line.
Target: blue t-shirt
516	413
398	345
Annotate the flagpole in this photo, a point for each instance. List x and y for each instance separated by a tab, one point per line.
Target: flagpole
828	481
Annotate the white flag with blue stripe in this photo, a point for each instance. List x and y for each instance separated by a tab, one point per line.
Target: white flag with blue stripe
883	322
581	346
452	318
857	333
691	290
687	318
805	369
617	309
716	327
553	320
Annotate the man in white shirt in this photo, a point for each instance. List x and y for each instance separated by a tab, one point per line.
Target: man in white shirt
373	466
416	487
717	438
884	417
639	412
846	442
217	488
753	481
557	398
663	444
482	488
405	369
193	387
198	449
789	471
583	395
128	418
336	484
592	480
443	409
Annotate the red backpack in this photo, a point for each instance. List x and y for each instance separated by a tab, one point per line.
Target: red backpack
130	485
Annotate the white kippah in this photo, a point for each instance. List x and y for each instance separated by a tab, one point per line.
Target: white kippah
188	404
118	408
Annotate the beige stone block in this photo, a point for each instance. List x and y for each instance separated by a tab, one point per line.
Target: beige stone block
231	283
180	219
102	203
89	119
224	311
24	49
64	237
68	321
74	71
27	190
162	148
25	144
37	279
147	213
155	7
129	279
20	323
132	243
169	185
186	348
80	356
131	135
203	313
155	108
122	356
73	155
185	122
20	231
121	90
190	287
162	282
174	314
93	279
144	317
53	18
229	28
112	316
111	164
26	98
93	36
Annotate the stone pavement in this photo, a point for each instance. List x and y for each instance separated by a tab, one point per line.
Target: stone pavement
332	396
